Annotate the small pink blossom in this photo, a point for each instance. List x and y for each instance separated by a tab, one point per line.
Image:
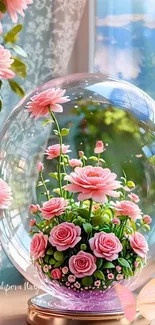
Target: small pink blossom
99	147
56	274
77	285
139	244
115	221
54	151
93	183
110	276
54	207
147	219
68	284
65	235
34	209
65	270
15	7
75	163
136	264
119	277
5	64
5	195
40	167
97	283
127	208
50	98
118	268
32	222
83	264
134	197
105	245
38	245
45	268
71	278
81	154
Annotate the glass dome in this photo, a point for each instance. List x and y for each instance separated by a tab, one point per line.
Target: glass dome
100	108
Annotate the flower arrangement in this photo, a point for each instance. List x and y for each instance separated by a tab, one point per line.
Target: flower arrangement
11	64
87	233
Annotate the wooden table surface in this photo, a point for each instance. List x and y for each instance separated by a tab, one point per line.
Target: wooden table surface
13	305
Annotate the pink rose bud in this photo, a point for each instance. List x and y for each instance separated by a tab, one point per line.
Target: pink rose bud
81	154
40	167
32	222
147	220
136	264
34	209
116	221
75	163
99	147
56	274
110	276
118	268
134	197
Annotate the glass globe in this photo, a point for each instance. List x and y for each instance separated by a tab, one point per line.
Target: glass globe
100	108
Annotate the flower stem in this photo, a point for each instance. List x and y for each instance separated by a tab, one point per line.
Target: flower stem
45	187
90	208
60	157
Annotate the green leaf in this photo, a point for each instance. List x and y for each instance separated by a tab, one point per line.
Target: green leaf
52	261
19	50
49	251
83	213
53	175
87	228
12	35
16	88
99	275
59	256
93	158
2	7
46	259
19	67
47	121
108	265
58	264
123	262
64	132
102	160
1	104
87	281
55	132
133	224
99	263
98	220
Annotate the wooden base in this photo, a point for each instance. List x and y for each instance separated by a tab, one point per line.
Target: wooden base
40	315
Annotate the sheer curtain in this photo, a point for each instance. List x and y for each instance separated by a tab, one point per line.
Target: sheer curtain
49	31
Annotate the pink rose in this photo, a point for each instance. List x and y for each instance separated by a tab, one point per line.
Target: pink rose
32	222
93	183
54	151
81	154
38	245
40	167
127	208
34	209
64	236
15	7
54	207
134	197
56	274
147	220
82	264
75	163
5	195
105	245
139	244
40	103
99	147
5	64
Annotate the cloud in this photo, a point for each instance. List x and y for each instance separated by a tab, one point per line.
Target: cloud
124	20
118	61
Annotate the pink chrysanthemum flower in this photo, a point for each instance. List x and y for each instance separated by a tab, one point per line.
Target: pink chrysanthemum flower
40	103
5	195
15	7
5	64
